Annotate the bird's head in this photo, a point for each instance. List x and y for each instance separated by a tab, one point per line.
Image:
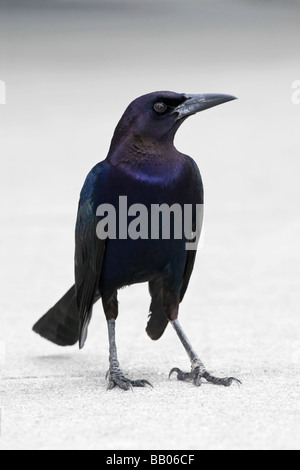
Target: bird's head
154	118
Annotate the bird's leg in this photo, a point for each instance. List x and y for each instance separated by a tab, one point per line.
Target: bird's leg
198	370
115	375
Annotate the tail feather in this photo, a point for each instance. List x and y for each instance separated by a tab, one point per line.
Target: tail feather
61	323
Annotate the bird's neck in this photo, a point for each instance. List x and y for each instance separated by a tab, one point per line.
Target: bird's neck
136	150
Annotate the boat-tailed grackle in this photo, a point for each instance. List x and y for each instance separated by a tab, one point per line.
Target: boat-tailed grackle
143	165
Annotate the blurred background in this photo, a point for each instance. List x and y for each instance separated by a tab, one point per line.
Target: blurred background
70	68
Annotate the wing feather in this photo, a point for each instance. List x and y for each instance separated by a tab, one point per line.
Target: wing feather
89	252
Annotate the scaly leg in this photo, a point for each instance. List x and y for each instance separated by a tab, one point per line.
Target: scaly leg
115	375
198	370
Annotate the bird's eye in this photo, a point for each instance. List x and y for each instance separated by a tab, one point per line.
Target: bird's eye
160	107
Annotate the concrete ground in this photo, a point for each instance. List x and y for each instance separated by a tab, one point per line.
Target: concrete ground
67	84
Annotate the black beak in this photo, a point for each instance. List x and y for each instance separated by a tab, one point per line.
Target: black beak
196	103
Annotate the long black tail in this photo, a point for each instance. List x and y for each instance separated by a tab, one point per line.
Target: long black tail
61	324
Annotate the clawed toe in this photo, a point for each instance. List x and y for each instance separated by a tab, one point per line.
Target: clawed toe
140	383
119	380
226	381
197	374
185	376
229	380
122	383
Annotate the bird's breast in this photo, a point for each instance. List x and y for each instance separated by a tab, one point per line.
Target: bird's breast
154	171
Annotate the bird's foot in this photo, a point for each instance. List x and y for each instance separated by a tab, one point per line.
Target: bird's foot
117	379
198	373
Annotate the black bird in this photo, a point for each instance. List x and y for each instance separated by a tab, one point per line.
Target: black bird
143	165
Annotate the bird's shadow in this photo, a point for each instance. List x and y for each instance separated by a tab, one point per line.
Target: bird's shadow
53	357
68	365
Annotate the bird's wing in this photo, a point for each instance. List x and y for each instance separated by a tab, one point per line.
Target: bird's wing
196	184
89	250
191	256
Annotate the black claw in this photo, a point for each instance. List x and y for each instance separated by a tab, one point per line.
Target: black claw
196	376
117	382
233	379
175	369
140	383
110	386
184	376
226	382
117	379
124	384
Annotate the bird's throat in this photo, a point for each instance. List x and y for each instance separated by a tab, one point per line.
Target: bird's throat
140	151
